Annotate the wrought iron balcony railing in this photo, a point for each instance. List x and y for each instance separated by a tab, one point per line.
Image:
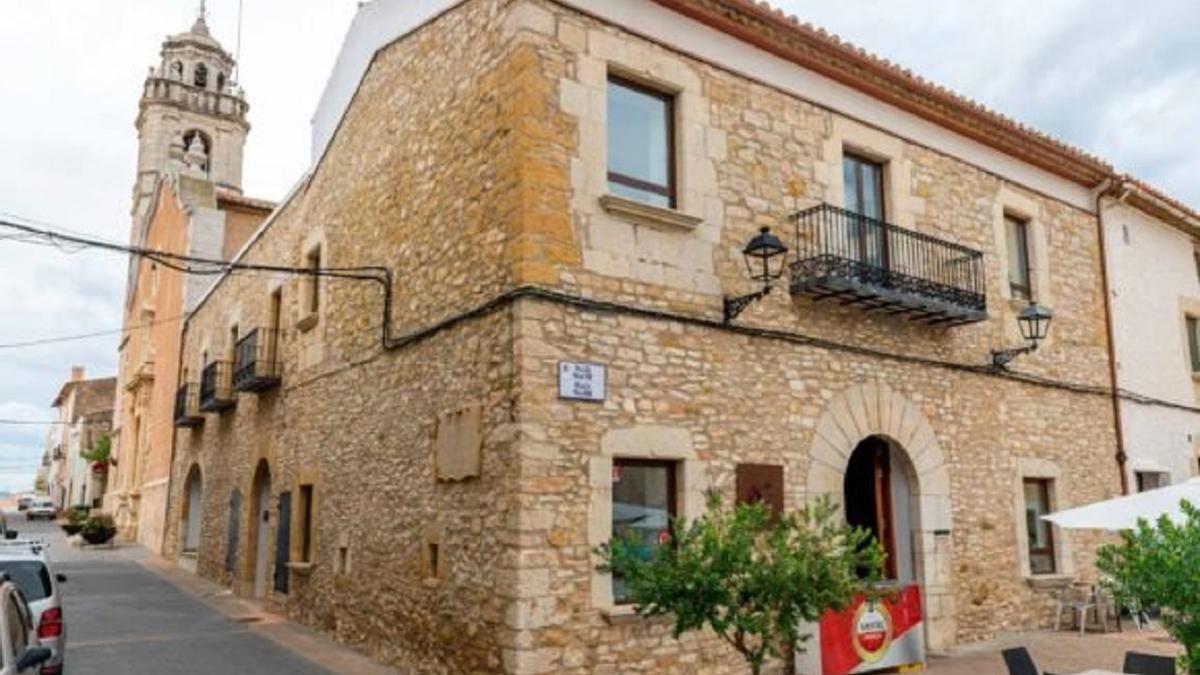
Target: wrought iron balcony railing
876	265
258	366
187	406
216	387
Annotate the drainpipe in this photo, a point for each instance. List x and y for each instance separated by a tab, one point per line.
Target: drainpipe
1121	457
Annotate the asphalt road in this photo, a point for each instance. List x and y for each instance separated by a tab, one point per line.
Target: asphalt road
123	619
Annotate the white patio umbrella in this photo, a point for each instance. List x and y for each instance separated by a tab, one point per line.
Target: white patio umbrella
1122	513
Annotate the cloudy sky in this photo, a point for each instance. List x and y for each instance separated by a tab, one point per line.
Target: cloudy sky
1119	79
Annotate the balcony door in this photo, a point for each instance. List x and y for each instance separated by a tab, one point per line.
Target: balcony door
865	237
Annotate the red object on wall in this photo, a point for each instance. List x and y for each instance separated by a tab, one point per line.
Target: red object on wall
874	636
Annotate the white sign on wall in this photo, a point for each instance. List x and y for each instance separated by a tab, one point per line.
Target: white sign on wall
581	381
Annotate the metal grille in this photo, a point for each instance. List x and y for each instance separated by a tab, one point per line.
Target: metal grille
257	366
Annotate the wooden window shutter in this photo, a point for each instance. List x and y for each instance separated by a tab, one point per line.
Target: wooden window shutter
761	483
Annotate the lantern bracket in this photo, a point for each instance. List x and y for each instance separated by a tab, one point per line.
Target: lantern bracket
1002	357
735	306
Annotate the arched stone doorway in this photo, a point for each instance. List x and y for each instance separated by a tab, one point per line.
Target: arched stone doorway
260	530
871	438
193	510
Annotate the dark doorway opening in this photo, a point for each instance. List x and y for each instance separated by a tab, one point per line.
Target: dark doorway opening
868	496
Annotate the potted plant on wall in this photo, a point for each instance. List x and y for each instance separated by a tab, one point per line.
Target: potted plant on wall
99	529
99	456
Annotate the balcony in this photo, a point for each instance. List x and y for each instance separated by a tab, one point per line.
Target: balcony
867	263
257	367
187	406
216	390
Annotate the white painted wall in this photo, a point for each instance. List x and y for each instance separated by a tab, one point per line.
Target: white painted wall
1153	277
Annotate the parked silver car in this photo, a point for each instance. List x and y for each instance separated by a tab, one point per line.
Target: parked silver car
20	651
41	507
25	564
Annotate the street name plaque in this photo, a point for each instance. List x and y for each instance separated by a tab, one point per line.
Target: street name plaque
581	381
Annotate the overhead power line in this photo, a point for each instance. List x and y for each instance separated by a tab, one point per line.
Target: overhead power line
383	276
37	342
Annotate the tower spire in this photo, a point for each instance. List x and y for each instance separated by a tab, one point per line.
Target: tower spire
201	25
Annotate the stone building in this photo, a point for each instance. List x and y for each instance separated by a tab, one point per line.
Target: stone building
395	442
1154	273
188	201
85	413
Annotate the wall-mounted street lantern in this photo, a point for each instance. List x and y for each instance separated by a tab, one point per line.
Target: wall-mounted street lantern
765	256
1034	322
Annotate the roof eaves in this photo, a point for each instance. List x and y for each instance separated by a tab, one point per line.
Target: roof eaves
814	48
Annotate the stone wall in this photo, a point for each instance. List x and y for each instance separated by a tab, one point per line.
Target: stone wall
415	180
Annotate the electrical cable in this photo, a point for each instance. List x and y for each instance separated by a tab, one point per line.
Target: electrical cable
383	276
85	336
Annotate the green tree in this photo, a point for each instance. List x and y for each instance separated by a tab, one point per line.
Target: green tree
1159	566
752	578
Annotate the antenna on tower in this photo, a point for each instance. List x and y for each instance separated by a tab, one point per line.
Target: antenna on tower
203	10
237	65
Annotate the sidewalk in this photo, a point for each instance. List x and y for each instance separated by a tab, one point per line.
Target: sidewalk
1063	652
291	636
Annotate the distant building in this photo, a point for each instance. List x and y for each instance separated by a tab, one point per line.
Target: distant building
84	415
192	129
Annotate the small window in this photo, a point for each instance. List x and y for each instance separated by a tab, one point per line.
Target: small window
1151	480
221	82
1041	534
1016	232
643	504
1193	335
313	263
1196	261
201	79
641	143
305	518
177	70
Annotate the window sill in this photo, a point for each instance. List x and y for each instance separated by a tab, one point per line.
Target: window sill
624	615
307	323
655	216
300	568
1045	582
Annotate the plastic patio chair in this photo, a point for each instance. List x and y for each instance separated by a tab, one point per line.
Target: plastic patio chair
1076	600
1148	664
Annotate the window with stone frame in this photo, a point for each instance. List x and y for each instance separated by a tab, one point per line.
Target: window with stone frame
304	522
312	296
643	504
201	76
1193	336
641	143
1038	495
1016	234
862	182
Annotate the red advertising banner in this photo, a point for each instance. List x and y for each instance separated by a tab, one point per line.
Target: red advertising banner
871	636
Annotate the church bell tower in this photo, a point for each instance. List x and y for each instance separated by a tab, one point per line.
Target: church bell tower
192	116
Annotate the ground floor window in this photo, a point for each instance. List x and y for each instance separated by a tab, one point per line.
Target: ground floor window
1151	480
643	504
1041	535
